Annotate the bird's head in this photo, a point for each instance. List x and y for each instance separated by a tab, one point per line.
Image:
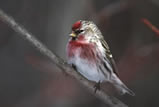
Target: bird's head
84	30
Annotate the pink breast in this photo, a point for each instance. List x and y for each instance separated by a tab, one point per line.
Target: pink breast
87	50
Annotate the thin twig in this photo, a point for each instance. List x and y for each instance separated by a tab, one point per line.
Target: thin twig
150	25
109	100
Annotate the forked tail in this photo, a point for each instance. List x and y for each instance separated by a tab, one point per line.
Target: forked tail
124	89
121	87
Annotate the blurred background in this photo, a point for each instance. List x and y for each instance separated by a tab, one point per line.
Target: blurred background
29	79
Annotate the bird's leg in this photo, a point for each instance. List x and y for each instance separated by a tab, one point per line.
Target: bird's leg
97	87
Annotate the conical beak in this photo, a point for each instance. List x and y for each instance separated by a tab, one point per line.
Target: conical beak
73	34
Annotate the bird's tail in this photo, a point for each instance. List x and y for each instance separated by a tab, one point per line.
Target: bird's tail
120	86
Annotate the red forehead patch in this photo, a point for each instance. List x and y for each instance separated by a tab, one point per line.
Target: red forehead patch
77	25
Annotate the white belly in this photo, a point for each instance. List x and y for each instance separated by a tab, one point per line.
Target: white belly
87	69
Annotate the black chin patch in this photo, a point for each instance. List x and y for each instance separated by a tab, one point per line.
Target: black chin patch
74	38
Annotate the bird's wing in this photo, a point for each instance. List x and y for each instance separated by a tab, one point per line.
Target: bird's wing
109	56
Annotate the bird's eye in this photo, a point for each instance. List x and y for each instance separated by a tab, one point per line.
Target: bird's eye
78	31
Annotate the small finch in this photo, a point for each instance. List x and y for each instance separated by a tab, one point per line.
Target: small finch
88	52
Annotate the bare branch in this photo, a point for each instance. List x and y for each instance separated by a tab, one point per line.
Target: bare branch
150	25
109	100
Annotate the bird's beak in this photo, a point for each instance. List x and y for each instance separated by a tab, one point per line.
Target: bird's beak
73	34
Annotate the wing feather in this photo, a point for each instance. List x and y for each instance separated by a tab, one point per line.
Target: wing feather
109	56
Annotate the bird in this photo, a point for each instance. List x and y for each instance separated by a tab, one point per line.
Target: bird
89	54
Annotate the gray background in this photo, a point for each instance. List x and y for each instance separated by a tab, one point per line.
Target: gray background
29	79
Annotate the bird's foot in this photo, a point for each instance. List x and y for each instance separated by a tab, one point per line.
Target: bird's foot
97	87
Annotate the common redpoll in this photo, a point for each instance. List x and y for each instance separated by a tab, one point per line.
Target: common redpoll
89	53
